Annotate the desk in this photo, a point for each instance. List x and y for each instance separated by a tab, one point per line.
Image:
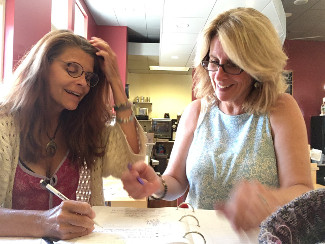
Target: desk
116	196
318	186
157	225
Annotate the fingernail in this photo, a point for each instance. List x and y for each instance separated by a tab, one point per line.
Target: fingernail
140	180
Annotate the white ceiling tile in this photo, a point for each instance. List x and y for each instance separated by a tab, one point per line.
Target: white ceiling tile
179	38
183	25
224	5
257	4
187	8
278	20
190	61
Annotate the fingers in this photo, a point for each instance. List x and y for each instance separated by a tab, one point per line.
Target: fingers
108	64
69	220
80	208
103	48
140	180
99	43
248	206
67	231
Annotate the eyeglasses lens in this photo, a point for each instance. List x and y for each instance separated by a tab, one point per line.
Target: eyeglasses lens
229	68
75	70
92	79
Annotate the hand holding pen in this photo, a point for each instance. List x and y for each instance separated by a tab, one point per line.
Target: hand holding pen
140	180
57	193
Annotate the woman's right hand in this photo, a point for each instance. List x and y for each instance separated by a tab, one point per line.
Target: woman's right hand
141	172
69	220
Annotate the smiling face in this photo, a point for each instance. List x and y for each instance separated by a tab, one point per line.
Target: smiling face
231	90
67	92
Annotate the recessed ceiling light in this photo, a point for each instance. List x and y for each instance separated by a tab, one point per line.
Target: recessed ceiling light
300	2
166	68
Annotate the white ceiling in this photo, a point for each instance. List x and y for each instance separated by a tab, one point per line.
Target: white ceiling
174	25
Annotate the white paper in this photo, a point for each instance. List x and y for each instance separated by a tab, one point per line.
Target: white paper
161	226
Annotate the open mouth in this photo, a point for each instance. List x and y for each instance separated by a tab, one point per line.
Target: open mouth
73	93
222	87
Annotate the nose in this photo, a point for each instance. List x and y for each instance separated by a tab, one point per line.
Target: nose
81	81
219	74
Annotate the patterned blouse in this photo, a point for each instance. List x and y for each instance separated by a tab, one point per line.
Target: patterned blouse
226	149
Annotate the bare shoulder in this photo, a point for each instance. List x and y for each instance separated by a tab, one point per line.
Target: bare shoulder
194	107
285	105
192	110
286	111
190	116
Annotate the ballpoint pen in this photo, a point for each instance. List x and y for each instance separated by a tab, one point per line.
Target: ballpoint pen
138	177
57	193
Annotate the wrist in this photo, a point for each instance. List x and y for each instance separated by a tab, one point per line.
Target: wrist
123	106
162	193
125	119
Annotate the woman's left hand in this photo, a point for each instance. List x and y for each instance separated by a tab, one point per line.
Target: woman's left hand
249	204
109	63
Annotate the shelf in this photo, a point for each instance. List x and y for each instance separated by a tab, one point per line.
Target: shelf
144	120
149	103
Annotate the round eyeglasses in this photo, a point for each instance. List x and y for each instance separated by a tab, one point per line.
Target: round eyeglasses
75	70
229	68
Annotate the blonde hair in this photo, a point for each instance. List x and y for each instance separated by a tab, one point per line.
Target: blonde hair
251	42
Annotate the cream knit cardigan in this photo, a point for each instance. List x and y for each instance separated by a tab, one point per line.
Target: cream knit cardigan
117	156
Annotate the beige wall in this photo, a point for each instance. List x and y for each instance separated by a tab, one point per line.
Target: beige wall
168	93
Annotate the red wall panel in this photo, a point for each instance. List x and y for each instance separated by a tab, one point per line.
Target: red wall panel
25	25
307	61
116	37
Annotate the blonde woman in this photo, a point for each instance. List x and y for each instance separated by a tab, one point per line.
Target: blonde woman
241	147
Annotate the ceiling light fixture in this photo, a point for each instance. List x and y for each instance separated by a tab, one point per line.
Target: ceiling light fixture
166	68
300	2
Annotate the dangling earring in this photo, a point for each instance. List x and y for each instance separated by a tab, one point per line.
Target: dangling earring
256	84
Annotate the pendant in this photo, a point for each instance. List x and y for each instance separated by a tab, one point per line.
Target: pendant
51	148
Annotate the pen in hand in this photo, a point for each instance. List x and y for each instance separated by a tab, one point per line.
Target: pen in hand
57	193
53	190
138	177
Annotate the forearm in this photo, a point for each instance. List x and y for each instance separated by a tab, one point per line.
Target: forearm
129	129
175	189
21	223
124	116
285	195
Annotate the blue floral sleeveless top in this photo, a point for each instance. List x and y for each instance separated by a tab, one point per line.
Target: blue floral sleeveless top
226	149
